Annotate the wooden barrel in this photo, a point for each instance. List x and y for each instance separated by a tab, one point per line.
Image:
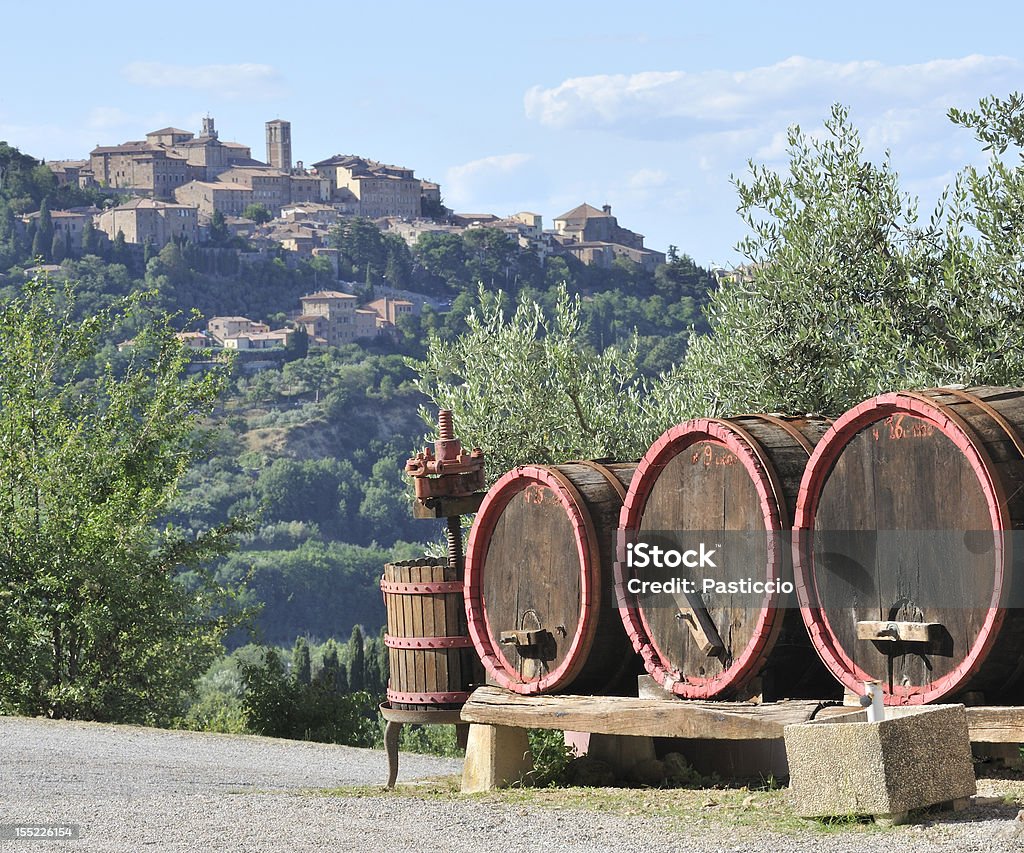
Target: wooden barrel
903	574
736	481
429	652
539	596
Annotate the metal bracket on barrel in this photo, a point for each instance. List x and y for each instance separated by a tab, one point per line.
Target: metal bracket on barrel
537	643
894	639
900	632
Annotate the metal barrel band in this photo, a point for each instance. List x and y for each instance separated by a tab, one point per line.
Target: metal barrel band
462	642
426	588
428	698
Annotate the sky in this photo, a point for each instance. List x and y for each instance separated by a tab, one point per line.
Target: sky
649	107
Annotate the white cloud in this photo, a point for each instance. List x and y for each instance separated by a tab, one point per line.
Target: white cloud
483	179
230	81
644	179
485	165
653	101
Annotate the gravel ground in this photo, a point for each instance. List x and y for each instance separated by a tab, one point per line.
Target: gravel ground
133	788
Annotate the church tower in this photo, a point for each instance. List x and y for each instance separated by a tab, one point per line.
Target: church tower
279	144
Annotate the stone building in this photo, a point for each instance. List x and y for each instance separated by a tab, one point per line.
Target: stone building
329	316
270	187
141	167
595	237
68	223
74	173
144	219
213	196
165	160
365	323
376	188
389	310
225	328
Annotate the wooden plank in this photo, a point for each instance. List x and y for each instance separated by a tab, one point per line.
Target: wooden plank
626	716
986	724
705	633
996	725
907	632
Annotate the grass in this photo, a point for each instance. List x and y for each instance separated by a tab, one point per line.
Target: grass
680	809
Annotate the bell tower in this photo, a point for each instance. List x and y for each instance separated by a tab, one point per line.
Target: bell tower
279	144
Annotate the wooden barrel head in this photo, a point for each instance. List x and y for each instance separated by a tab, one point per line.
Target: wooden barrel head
532	565
901	462
712	476
539	582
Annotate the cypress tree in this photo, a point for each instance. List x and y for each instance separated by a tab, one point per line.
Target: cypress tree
332	672
58	251
7	222
384	661
119	254
89	240
356	661
40	245
300	661
44	231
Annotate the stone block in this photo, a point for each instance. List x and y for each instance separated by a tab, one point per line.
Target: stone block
915	758
496	756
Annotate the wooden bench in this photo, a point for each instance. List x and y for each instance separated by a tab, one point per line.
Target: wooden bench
498	753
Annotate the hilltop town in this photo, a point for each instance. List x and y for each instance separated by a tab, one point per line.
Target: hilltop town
176	187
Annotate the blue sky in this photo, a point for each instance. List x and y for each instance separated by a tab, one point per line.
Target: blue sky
649	107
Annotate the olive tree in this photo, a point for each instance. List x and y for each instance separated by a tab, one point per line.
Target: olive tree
849	292
524	388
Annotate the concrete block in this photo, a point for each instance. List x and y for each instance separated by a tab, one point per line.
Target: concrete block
496	756
915	758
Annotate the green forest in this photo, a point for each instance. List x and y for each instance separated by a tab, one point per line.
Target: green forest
187	543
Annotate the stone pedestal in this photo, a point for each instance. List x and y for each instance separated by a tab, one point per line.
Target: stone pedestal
496	756
845	766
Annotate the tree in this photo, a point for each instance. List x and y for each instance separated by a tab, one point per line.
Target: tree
258	213
219	234
119	252
58	250
356	661
398	266
90	240
297	345
332	672
99	619
44	232
526	388
849	294
301	665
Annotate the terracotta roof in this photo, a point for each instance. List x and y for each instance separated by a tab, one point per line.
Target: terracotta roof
150	204
164	131
125	147
583	211
328	294
213	185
